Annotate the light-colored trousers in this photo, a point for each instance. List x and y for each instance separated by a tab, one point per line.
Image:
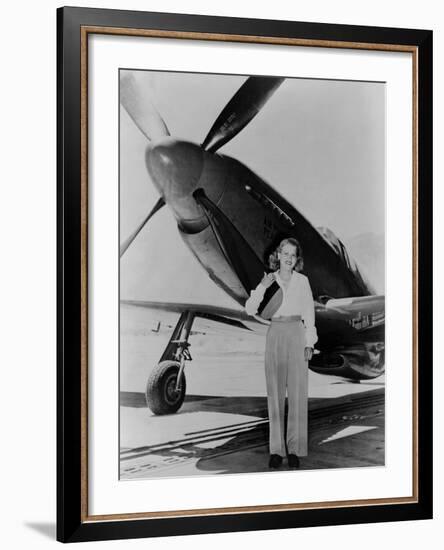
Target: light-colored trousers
286	371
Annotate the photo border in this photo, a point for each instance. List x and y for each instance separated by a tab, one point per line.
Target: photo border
73	27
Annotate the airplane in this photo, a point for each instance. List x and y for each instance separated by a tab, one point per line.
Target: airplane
230	219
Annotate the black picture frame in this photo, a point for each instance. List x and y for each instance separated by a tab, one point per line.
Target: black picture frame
73	522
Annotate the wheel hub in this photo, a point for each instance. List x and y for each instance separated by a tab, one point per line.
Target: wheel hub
171	393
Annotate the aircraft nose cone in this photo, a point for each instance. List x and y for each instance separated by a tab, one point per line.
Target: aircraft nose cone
175	168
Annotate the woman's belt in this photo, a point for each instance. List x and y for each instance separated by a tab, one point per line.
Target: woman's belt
286	319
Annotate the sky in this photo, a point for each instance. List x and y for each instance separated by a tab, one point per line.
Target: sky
320	143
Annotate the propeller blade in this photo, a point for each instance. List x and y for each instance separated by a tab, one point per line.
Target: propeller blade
131	238
241	109
134	99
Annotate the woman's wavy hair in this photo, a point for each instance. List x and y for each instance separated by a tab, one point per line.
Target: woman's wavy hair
273	260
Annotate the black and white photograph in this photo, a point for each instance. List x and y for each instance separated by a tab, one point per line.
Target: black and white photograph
222	275
252	274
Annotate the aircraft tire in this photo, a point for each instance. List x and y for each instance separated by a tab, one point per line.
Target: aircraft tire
160	394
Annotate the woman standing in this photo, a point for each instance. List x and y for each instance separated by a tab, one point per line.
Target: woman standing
289	346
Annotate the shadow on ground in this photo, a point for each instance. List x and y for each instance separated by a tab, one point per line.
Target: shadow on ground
137	399
197	403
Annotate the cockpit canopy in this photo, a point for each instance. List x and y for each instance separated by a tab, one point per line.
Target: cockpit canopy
338	247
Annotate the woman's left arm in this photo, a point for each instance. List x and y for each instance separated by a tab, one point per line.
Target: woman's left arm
311	335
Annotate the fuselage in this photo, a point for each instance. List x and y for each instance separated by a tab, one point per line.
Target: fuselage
232	220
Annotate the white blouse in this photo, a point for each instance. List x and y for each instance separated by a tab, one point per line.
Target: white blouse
297	300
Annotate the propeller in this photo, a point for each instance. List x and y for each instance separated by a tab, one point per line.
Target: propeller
133	235
146	117
240	110
136	103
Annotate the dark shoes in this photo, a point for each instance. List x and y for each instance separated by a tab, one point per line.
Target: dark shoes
293	462
275	461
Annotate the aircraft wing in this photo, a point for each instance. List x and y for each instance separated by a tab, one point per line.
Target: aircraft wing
350	331
349	322
351	337
228	316
362	312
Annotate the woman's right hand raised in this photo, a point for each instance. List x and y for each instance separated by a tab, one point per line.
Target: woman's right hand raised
268	279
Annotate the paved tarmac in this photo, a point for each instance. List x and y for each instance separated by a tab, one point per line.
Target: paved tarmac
348	432
222	427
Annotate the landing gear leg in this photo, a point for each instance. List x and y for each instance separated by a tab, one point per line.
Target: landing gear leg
166	386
